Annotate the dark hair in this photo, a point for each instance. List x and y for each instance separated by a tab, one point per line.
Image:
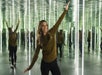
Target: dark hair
9	28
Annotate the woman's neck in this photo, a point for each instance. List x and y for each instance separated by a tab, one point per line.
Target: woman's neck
44	33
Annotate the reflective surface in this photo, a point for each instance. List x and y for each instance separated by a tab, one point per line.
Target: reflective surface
92	65
82	23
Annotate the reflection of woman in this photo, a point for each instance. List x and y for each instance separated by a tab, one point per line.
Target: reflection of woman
47	42
12	44
88	40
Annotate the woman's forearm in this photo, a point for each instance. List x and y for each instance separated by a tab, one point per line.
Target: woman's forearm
33	61
35	57
55	27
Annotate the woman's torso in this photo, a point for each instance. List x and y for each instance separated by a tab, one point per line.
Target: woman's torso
48	44
13	39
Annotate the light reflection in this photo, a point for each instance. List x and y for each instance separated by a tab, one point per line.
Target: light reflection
25	23
76	24
36	19
54	2
99	29
83	37
0	29
19	32
29	21
13	13
45	10
49	12
91	28
11	18
42	5
95	22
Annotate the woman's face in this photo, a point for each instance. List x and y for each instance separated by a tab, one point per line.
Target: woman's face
44	27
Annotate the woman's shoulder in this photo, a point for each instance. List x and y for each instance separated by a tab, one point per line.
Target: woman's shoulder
50	32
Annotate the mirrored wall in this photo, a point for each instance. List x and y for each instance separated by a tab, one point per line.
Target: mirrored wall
81	27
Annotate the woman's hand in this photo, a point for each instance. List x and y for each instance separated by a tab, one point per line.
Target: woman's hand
67	5
26	70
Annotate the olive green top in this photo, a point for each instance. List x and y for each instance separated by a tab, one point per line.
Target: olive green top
48	44
13	36
13	39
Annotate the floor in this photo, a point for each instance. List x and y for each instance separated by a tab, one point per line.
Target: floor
92	64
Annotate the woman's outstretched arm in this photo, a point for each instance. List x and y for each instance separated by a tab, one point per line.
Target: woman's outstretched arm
35	57
55	27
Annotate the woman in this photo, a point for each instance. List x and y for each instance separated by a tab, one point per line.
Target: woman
12	44
46	41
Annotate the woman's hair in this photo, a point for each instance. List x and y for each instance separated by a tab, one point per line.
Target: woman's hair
40	32
10	29
40	27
